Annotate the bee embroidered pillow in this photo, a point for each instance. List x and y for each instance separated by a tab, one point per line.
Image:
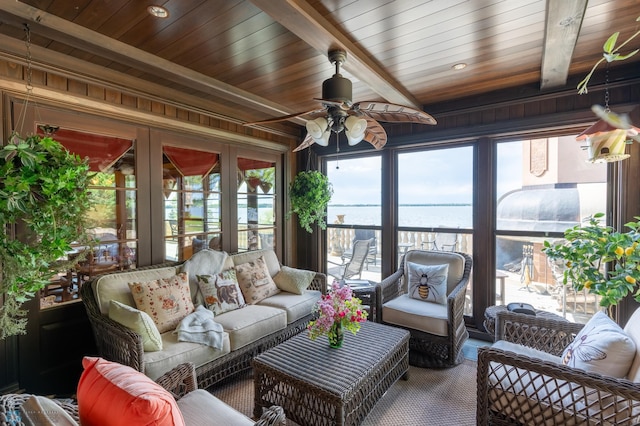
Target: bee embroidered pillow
428	282
166	300
602	347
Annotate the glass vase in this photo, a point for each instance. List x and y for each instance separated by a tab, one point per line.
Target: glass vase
336	335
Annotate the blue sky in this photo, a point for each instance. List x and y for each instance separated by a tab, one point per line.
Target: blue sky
436	176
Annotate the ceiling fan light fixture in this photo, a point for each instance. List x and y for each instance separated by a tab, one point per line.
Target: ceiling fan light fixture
319	130
354	128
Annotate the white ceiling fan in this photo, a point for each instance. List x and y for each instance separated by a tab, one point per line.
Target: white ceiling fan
358	120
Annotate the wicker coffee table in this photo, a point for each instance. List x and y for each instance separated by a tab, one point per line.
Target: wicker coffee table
317	385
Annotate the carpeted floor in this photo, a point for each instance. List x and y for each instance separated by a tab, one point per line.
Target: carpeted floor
429	397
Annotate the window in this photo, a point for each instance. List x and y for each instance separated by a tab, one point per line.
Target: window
192	201
355	213
256	204
543	186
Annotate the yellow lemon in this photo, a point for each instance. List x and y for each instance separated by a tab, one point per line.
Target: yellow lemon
569	264
630	279
587	284
619	251
628	251
602	239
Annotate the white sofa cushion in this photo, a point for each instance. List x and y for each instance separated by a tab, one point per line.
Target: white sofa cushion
251	323
415	314
204	262
116	286
175	352
633	331
199	407
295	305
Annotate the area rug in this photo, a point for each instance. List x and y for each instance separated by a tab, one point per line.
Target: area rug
429	397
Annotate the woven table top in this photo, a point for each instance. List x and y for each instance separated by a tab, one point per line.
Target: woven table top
336	370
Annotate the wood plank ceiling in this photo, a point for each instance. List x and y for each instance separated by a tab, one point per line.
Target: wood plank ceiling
253	60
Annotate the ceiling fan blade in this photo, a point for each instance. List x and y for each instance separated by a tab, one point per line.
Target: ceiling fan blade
283	118
307	142
375	133
392	113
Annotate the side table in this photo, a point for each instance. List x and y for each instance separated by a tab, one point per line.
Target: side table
491	313
366	291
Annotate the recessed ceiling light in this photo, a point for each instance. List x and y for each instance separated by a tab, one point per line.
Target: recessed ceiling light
158	11
459	66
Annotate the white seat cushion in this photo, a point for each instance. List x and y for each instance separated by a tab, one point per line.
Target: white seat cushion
295	305
174	352
199	407
415	314
248	324
632	328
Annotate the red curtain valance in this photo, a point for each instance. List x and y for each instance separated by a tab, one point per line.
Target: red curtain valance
102	151
190	162
249	164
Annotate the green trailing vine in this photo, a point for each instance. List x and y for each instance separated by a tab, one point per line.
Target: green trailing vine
43	195
310	193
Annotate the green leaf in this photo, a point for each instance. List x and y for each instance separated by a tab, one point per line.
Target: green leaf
610	44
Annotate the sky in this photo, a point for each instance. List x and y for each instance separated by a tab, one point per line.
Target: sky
427	177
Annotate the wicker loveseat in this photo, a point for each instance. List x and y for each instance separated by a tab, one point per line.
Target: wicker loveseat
522	380
250	329
195	405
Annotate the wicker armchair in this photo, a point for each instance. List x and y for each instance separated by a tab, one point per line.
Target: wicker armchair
520	388
179	381
437	331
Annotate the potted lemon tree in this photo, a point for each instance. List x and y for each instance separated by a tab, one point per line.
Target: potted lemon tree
600	259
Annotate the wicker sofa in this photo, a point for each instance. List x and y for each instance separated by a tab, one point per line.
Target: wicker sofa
251	330
521	380
195	405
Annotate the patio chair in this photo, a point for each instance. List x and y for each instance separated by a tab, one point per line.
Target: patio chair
522	379
364	234
436	324
357	260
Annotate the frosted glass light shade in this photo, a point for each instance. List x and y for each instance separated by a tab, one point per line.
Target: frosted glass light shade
319	131
354	128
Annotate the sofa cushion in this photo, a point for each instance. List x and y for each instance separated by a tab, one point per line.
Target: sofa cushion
411	313
454	260
113	394
428	283
138	321
293	280
255	282
116	286
167	300
175	352
602	347
204	262
296	306
199	407
42	411
270	258
221	292
251	323
632	328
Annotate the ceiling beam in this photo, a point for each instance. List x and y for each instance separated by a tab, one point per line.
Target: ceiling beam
314	29
66	32
562	27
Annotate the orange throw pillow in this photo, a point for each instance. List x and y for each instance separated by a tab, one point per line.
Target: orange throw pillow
114	394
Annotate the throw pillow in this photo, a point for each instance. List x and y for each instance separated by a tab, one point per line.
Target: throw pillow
138	321
255	282
221	291
293	280
114	394
602	347
428	282
166	300
41	411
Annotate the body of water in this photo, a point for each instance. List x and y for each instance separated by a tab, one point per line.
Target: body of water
436	216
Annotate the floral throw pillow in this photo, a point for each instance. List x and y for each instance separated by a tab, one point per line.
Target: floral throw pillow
221	291
167	300
255	282
428	282
602	347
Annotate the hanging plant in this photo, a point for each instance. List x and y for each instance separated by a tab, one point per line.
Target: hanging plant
310	193
43	193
